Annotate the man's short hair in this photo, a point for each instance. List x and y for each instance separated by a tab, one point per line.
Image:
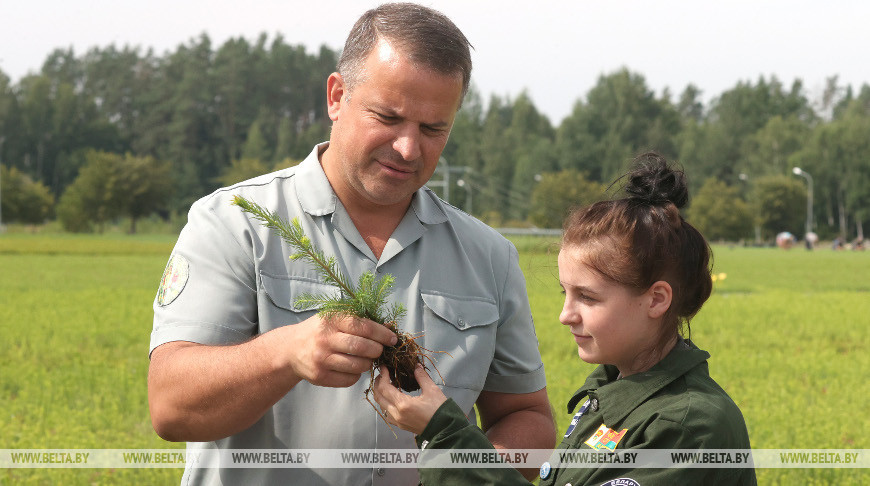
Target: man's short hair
425	35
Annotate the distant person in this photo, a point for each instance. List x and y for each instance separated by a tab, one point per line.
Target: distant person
235	364
810	240
633	273
785	240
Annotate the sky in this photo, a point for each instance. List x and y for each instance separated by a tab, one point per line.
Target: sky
554	51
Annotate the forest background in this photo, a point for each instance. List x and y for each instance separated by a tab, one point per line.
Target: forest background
125	135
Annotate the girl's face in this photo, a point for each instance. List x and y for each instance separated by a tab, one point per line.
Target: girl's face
611	323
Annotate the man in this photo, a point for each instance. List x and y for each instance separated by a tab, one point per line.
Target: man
236	365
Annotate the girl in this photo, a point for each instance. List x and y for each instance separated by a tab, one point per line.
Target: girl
633	273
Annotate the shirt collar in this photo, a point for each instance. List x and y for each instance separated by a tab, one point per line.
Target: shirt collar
617	398
318	199
312	187
427	207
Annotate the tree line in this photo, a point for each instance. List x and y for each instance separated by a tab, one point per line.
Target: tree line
123	132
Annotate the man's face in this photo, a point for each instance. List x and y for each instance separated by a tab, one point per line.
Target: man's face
388	133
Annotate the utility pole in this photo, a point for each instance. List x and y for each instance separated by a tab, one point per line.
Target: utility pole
2	228
744	178
468	207
445	168
445	183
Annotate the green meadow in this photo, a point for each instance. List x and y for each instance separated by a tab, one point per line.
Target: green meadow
788	333
787	330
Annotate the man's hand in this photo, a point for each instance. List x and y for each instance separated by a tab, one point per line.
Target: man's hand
335	352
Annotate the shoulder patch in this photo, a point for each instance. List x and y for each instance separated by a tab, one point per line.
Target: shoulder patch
621	482
174	279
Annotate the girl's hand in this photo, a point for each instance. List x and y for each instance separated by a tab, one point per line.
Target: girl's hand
408	412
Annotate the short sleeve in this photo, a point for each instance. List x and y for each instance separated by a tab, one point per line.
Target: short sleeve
207	294
516	365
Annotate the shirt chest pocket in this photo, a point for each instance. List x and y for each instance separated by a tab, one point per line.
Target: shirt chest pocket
278	295
460	332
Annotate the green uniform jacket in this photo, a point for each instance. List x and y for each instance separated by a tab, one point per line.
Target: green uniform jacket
674	405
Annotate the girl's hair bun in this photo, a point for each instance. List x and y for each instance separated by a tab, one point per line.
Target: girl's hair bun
654	182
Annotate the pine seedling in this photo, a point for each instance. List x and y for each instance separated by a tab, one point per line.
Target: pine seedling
366	299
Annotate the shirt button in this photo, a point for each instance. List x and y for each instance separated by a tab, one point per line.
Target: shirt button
381	471
593	405
462	323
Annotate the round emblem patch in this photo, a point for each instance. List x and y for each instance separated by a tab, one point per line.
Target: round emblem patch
174	279
545	470
621	482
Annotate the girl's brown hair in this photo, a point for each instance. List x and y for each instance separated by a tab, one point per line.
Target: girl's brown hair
641	238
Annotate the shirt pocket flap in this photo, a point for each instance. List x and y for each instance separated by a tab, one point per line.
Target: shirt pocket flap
462	312
284	290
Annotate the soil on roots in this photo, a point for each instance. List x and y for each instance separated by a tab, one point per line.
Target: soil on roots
401	359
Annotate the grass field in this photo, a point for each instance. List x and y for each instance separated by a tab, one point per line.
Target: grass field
789	334
787	330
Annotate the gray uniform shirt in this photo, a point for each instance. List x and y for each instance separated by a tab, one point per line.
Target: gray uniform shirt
459	280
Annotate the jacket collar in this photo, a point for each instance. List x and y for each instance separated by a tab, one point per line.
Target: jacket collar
617	398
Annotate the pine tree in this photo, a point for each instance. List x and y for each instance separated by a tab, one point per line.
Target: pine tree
367	299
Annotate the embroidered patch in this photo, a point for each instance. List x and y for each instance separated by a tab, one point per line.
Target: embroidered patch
605	438
621	482
173	281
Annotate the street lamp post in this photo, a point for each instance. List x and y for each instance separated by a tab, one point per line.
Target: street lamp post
809	178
